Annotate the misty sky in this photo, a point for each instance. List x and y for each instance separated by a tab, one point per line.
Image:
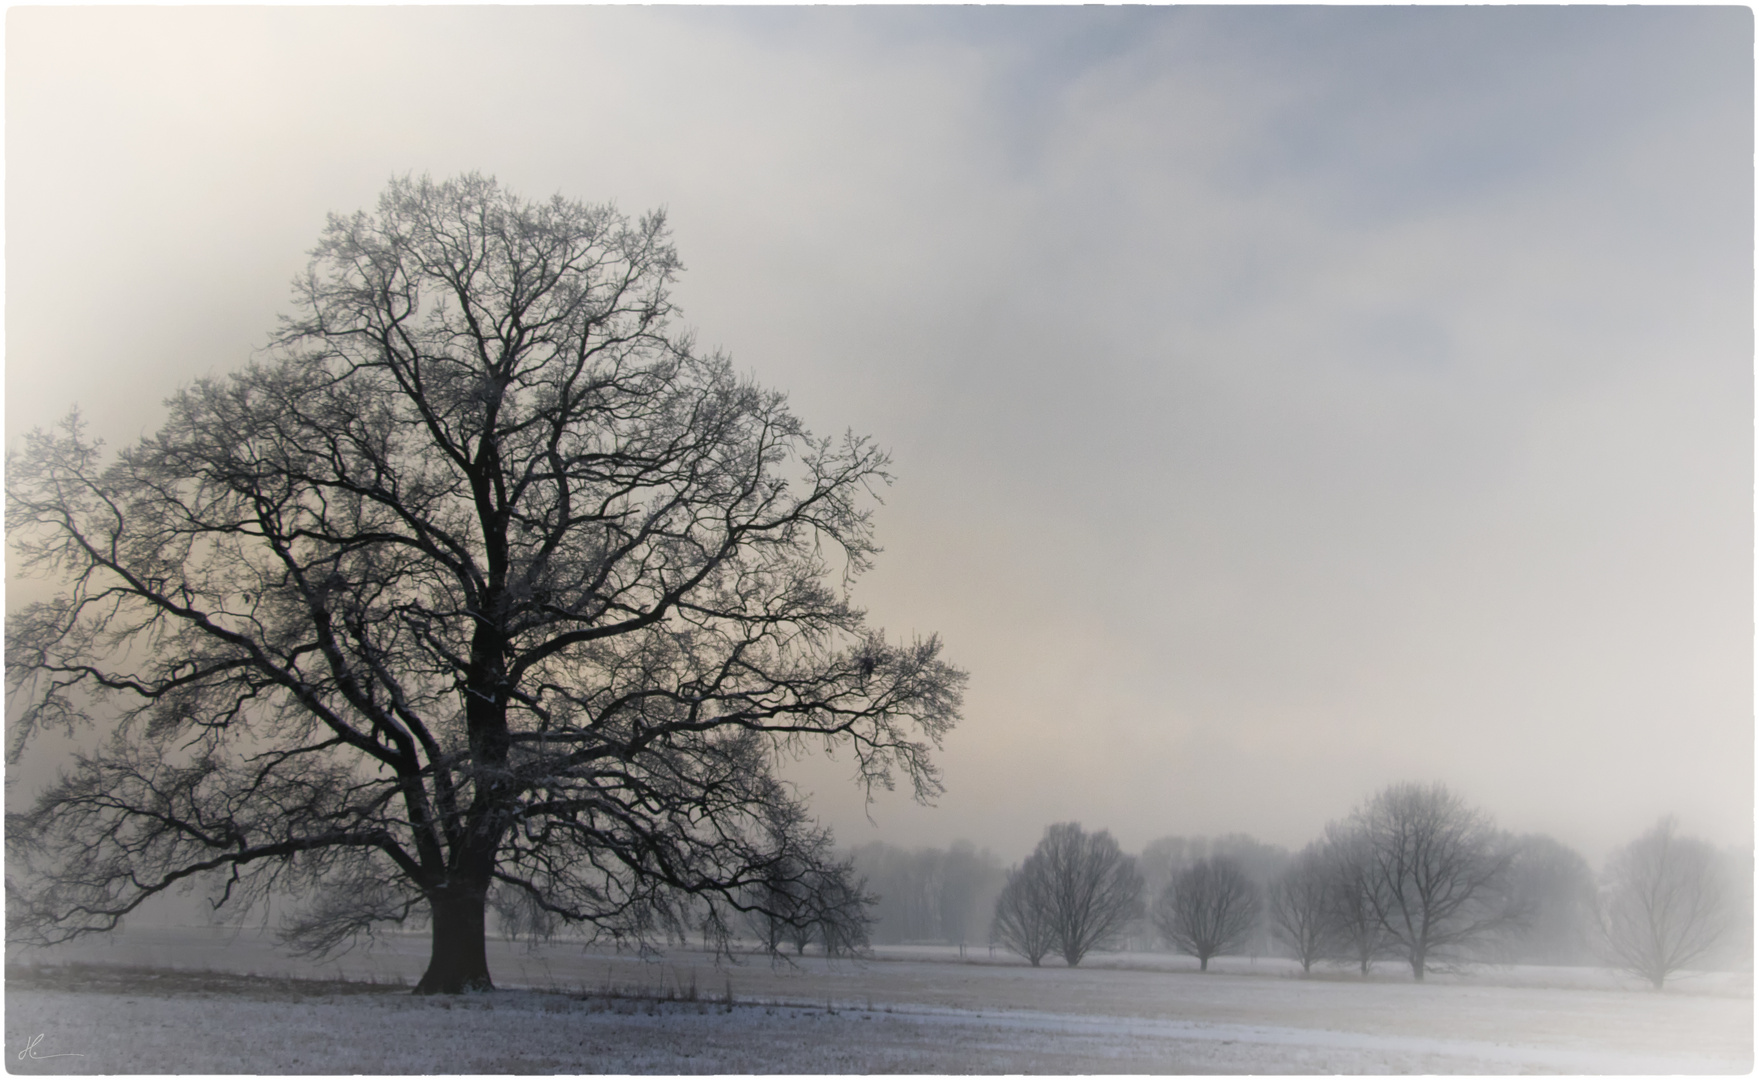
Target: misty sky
1284	402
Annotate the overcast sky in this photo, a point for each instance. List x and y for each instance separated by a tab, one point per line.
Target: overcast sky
1284	402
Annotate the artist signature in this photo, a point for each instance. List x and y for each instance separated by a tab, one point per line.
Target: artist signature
29	1053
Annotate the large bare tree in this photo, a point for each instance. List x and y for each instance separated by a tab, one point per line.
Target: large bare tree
1434	873
1076	890
1210	908
483	578
1664	904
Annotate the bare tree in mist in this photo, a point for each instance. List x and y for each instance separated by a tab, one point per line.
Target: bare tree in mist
1555	888
1349	895
1164	858
1076	890
1023	921
931	894
801	902
1437	873
1664	905
1300	907
1210	908
845	917
483	577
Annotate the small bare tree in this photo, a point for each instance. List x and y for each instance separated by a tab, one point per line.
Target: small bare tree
1557	890
1349	895
846	917
1076	891
1300	908
1023	914
1212	907
1096	885
1437	871
1664	903
808	899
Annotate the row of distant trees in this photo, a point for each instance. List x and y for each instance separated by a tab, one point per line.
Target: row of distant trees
930	894
1414	874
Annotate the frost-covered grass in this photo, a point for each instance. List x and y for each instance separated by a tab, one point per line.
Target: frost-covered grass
903	1011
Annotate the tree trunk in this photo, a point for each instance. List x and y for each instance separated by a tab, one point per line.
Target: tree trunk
459	960
1417	961
1203	963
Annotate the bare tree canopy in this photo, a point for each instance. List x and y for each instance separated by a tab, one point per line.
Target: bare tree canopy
1350	889
1436	872
1301	910
1664	905
1024	921
1555	889
1210	908
484	577
1076	891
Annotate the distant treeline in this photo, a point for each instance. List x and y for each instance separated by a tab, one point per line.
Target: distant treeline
931	895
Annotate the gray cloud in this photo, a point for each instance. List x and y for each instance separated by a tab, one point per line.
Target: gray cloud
1285	401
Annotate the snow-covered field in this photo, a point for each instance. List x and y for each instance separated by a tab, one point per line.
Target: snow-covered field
211	1002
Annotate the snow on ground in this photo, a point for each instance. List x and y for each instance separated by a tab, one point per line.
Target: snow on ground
138	1030
919	1011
